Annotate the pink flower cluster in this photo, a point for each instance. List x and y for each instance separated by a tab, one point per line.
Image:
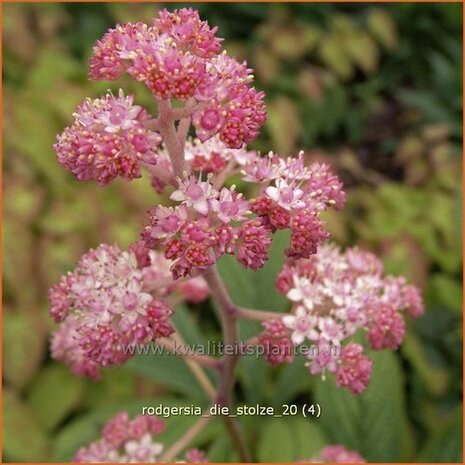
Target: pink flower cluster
275	340
179	57
110	137
202	228
334	295
293	197
129	441
338	454
110	302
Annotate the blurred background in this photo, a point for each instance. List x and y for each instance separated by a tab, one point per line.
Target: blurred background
376	91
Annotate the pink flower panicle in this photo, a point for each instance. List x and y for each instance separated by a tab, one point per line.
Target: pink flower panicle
187	29
112	301
293	197
130	441
179	57
125	441
336	294
110	52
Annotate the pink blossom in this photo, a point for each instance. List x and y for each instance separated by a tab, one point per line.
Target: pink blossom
179	57
194	290
118	44
196	233
276	342
322	358
338	454
413	301
354	371
286	195
186	27
235	111
64	347
196	456
108	138
58	296
125	441
387	328
336	294
231	206
294	196
263	169
130	441
253	244
307	232
195	194
110	302
302	325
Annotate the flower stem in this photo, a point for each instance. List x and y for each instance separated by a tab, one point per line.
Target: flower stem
258	315
183	130
227	313
226	310
224	305
184	351
186	438
170	138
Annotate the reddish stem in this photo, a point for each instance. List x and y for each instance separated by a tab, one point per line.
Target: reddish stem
224	305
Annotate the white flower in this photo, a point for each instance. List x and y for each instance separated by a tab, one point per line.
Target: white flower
286	195
143	450
303	325
305	291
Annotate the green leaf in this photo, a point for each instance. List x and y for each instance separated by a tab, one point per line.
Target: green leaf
169	370
284	124
276	442
257	289
221	451
446	444
19	249
372	423
308	437
435	378
448	291
54	394
24	344
289	439
335	57
383	28
363	50
185	323
23	438
293	379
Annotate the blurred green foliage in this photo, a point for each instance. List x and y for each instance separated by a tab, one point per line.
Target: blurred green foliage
375	90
